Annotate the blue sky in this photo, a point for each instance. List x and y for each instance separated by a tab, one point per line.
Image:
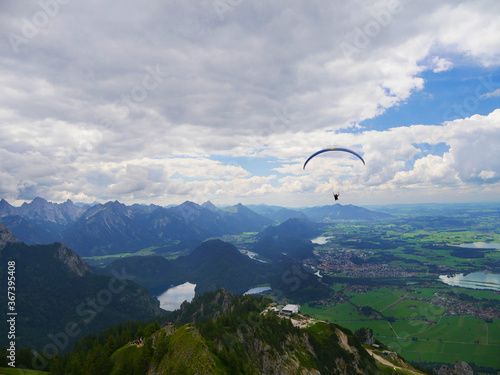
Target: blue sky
446	96
163	102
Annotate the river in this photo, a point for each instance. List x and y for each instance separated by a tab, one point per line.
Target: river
172	298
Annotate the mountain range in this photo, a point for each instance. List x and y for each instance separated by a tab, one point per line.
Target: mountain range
115	228
217	264
58	287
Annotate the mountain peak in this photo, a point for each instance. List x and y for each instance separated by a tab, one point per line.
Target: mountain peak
38	201
209	206
188	210
216	250
190	204
5	208
115	204
331	213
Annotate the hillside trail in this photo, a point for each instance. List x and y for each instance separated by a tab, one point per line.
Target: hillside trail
343	341
390	364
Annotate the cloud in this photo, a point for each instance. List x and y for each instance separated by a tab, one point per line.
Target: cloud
441	65
492	94
471	152
469	27
133	101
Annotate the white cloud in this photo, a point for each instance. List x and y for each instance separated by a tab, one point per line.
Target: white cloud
441	65
470	27
134	100
492	94
488	175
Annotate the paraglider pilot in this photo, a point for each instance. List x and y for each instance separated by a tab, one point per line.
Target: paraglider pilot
336	196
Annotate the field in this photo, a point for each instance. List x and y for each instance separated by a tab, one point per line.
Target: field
403	300
420	331
378	300
426	236
448	352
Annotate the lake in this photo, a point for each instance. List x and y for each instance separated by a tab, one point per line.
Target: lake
320	240
257	290
251	255
480	245
172	298
474	280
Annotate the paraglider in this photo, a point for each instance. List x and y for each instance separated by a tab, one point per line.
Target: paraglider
336	196
332	149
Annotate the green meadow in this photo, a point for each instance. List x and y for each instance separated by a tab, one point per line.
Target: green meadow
445	351
340	312
420	331
378	299
414	309
494	332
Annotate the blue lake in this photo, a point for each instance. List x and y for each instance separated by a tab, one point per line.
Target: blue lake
257	290
480	245
320	240
172	298
475	280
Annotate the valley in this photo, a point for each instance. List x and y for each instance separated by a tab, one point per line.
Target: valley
358	268
389	275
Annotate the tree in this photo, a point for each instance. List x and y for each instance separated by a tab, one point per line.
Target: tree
56	367
142	360
97	361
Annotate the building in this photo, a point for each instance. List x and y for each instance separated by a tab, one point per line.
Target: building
290	309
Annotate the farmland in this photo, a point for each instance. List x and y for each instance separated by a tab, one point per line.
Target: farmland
420	331
387	274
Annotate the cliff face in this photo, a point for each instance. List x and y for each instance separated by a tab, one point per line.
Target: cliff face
6	236
73	262
461	368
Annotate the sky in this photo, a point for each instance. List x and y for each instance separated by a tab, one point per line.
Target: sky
223	100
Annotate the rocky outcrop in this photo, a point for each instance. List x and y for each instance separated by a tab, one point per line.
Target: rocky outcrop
6	236
461	368
366	336
73	262
445	370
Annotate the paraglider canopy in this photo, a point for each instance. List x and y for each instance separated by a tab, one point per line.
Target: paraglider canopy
332	149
